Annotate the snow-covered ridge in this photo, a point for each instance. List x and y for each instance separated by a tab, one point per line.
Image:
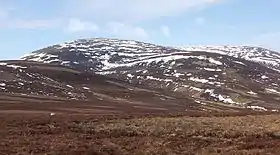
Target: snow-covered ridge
264	56
104	49
113	53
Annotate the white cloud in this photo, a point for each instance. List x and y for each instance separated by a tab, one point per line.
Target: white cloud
200	20
136	10
93	16
76	25
29	24
5	11
33	24
102	11
165	30
71	25
127	31
268	40
3	14
7	20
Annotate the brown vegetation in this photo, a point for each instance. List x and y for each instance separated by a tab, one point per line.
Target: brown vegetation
87	134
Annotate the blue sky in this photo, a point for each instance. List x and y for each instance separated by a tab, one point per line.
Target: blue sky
27	25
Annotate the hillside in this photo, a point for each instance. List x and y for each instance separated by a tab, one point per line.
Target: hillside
24	82
235	77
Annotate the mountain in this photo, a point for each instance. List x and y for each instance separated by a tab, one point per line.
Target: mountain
228	76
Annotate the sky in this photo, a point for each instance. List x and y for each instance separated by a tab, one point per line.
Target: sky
28	25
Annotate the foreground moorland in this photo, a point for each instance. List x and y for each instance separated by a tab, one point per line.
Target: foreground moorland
41	133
